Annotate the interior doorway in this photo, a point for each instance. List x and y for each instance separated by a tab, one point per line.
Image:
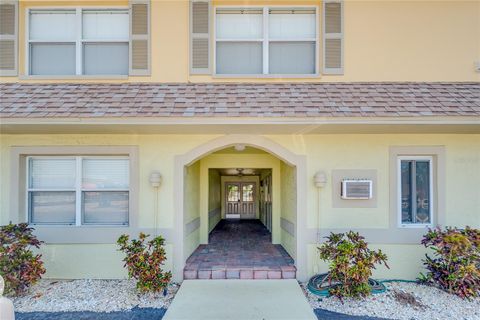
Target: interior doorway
240	200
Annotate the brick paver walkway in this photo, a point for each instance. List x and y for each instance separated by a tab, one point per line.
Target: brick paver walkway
240	249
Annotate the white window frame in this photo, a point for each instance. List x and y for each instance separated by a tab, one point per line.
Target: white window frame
79	41
265	40
399	191
78	188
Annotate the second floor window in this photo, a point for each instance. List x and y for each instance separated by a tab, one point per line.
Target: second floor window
265	41
78	42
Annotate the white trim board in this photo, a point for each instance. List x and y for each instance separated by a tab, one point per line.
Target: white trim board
236	126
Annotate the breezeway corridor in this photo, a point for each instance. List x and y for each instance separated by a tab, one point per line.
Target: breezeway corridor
240	249
240	216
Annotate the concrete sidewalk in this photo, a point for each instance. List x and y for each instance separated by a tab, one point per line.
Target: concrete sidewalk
240	300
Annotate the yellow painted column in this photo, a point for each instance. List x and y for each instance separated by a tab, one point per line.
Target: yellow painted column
203	202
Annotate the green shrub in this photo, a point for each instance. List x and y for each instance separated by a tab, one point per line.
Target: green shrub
351	263
144	261
19	266
455	266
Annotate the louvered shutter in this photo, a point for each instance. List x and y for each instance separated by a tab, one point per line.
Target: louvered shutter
200	37
8	38
139	38
333	37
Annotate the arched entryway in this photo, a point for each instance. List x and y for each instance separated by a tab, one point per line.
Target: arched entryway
188	178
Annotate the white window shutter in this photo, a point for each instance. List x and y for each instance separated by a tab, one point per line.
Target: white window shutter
333	37
139	38
200	37
8	38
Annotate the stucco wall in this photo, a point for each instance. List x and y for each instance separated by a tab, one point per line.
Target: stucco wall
191	206
288	206
214	199
371	151
388	40
323	152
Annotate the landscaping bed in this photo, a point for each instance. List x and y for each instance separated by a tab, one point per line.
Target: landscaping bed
90	295
402	301
134	314
118	299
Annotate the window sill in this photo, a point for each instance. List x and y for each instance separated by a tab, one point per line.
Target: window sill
266	76
83	226
74	77
415	226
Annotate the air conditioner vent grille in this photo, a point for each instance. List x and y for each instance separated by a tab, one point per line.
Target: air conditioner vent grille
357	189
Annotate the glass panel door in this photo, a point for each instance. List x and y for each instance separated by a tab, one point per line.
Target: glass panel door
233	200
240	200
248	201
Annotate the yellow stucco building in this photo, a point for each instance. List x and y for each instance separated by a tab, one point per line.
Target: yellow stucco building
189	119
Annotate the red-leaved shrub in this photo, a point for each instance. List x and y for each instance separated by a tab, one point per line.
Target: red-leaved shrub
455	266
351	264
144	261
19	266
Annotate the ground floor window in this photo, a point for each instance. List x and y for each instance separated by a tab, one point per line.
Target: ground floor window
78	190
415	191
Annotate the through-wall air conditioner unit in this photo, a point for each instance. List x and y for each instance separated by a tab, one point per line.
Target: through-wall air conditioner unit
356	189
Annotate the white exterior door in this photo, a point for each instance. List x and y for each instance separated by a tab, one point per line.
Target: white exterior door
240	202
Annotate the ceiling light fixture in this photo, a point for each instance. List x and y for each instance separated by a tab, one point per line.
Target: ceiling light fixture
239	147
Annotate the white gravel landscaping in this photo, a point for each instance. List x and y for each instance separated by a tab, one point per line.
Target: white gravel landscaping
403	301
90	295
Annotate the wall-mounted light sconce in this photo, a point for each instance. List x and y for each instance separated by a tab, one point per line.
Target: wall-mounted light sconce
320	179
239	147
155	179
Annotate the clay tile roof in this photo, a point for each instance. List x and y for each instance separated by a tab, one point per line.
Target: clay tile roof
19	100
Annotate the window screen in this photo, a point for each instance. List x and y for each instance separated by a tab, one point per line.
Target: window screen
287	45
76	42
52	58
292	57
51	191
239	57
47	207
291	24
105	184
52	25
107	207
101	174
105	58
105	25
102	188
289	53
239	24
